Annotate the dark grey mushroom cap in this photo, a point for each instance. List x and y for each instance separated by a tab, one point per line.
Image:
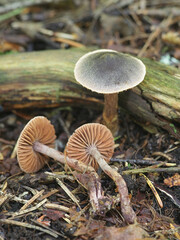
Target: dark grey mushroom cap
108	71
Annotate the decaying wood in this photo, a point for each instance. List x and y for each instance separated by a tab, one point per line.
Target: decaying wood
46	79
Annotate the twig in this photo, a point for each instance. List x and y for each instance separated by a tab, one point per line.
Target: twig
171	149
58	207
33	191
149	169
31	200
69	42
48	228
49	194
59	176
168	230
168	193
11	14
27	225
162	155
27	210
61	184
165	23
137	161
2	140
61	121
63	35
164	12
9	196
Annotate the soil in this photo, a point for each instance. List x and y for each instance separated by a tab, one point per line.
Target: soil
126	26
133	143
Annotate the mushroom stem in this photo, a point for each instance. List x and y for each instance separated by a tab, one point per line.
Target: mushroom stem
56	155
95	189
99	202
110	112
127	211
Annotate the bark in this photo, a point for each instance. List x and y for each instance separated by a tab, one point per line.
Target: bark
45	79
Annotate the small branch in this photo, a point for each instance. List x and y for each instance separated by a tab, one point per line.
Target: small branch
31	200
17	214
165	23
59	176
136	161
27	225
48	228
6	197
149	169
11	14
173	198
68	192
58	207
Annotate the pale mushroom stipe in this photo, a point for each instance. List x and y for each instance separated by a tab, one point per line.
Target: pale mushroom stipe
93	143
109	72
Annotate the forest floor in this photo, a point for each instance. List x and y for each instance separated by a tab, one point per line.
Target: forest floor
140	28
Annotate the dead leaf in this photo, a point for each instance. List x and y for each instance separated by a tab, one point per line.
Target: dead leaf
54	214
173	181
89	228
8	46
131	232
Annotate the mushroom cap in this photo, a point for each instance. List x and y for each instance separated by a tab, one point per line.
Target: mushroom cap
90	134
108	71
37	129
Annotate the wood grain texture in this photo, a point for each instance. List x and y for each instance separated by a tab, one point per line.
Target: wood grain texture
46	79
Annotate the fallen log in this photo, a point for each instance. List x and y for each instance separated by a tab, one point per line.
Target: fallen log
45	79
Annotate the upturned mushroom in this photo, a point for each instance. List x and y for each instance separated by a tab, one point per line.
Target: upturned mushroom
34	147
109	72
39	132
93	144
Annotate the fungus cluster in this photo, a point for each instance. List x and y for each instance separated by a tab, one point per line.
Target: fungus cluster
91	145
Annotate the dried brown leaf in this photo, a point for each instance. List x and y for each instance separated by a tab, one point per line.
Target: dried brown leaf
173	181
131	232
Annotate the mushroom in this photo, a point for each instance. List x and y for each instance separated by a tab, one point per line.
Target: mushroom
85	138
38	130
34	147
93	144
109	72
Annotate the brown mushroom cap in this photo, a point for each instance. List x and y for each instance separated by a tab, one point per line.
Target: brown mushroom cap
37	129
91	134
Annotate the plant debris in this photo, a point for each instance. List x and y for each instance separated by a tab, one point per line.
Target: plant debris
56	202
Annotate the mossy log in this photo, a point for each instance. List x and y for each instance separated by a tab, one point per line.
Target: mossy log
45	79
